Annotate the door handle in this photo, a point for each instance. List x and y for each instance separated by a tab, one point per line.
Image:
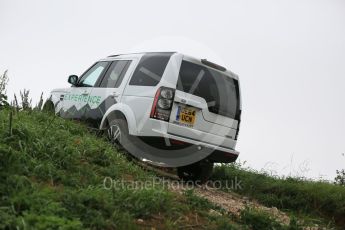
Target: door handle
188	101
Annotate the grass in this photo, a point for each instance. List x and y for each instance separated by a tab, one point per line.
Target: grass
56	174
258	220
52	174
300	197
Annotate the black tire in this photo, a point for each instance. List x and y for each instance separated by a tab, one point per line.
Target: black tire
198	172
118	135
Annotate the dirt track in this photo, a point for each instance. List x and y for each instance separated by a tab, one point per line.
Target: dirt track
231	202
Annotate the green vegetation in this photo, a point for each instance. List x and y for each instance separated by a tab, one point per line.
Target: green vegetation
322	200
258	220
52	174
340	178
3	82
56	174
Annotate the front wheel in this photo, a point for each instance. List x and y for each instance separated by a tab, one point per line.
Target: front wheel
118	135
198	172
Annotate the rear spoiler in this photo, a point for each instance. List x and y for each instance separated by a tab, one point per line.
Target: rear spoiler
213	65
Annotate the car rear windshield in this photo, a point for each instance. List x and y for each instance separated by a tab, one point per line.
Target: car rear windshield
220	91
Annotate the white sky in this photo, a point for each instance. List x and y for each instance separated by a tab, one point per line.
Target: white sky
290	56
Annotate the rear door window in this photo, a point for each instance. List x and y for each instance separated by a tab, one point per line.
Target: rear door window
150	69
114	75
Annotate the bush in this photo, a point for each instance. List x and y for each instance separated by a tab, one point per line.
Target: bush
340	178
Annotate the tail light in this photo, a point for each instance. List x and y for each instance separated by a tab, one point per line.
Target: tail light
162	104
238	118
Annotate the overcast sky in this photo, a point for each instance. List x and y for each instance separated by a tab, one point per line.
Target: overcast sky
289	55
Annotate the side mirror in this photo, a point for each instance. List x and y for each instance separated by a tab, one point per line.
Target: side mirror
73	79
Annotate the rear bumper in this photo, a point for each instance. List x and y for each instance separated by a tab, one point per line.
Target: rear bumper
222	157
219	154
222	150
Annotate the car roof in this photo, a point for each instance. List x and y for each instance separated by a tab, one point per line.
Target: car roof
133	55
186	57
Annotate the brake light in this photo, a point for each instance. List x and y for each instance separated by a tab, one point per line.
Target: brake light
162	104
177	142
238	118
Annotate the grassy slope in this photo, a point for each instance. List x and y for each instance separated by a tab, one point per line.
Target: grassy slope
303	198
51	177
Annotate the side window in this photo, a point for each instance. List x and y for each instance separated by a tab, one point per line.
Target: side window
150	69
115	74
89	78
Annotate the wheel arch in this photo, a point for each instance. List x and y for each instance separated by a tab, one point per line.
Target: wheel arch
120	111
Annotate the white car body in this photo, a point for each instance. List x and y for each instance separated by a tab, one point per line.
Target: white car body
95	103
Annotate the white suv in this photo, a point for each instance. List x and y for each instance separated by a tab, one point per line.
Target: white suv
166	108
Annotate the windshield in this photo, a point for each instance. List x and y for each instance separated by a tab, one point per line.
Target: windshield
220	91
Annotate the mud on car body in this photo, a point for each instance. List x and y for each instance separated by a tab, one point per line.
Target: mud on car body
167	108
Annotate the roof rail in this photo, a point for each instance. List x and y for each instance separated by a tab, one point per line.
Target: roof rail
115	55
168	52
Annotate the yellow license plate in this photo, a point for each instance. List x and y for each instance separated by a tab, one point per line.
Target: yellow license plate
186	115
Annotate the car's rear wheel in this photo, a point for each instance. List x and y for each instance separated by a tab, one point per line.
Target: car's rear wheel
198	172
